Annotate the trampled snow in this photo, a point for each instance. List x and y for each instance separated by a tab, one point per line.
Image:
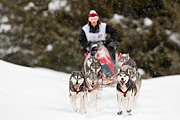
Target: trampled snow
42	94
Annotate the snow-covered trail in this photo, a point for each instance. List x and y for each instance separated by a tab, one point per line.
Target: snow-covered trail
42	94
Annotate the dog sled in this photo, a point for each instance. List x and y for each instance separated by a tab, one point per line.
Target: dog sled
108	61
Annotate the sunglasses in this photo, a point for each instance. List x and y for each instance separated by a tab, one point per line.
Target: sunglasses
93	19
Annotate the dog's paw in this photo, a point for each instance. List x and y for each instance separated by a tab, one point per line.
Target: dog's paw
85	111
119	113
82	111
75	110
129	112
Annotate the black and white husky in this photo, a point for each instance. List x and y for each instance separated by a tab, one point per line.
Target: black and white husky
134	76
93	81
126	62
77	89
89	61
126	92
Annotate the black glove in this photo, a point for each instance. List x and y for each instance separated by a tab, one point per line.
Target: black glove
85	45
108	41
113	45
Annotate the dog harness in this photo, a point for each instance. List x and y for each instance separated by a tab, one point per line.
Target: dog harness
94	87
77	90
131	63
124	92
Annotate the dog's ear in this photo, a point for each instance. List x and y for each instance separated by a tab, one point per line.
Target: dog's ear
83	74
120	54
127	70
120	70
128	57
134	70
72	74
99	61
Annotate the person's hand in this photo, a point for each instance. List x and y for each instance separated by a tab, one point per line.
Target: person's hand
113	45
108	41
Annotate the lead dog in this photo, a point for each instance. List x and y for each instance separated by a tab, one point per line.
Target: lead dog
126	92
77	89
135	77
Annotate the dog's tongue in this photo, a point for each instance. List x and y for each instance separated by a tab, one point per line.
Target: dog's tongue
121	82
76	86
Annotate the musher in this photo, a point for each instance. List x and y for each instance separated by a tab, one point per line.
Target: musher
95	30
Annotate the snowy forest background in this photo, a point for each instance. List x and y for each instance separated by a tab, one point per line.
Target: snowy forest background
44	33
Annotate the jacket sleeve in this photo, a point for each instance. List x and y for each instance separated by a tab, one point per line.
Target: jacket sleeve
112	31
83	40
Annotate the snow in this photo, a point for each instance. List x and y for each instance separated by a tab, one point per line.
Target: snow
57	5
147	22
29	6
42	94
141	71
49	47
175	37
4	19
5	27
117	18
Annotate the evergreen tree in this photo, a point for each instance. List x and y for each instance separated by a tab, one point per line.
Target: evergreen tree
41	38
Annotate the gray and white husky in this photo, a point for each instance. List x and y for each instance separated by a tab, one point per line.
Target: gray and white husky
125	59
126	62
126	92
93	81
89	61
135	77
78	89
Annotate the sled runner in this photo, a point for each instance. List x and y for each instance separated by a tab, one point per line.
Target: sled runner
109	64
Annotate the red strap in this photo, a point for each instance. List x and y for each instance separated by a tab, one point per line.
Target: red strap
124	93
86	54
76	90
117	54
89	90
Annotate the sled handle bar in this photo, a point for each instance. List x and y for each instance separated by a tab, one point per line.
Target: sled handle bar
103	41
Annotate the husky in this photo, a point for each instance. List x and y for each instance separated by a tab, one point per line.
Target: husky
124	59
126	92
93	81
90	60
77	89
134	76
